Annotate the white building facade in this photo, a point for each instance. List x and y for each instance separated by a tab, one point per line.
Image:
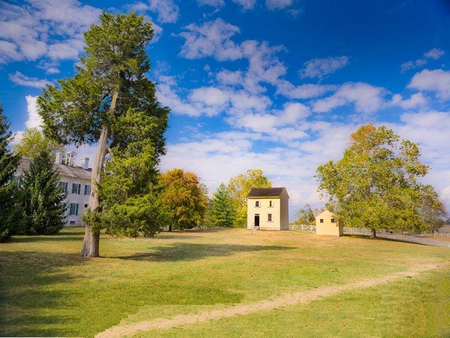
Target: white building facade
76	182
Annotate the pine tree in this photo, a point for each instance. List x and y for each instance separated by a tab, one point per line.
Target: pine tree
222	212
94	106
42	197
8	190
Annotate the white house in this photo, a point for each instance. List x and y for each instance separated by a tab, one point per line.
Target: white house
268	209
76	181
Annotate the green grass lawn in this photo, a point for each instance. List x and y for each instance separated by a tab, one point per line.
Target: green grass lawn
46	289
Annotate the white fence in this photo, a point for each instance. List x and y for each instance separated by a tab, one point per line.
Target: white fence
419	239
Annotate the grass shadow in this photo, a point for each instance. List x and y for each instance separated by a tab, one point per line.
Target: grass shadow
37	239
27	295
193	251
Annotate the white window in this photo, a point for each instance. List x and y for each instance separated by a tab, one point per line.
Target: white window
269	217
76	188
87	189
257	204
73	209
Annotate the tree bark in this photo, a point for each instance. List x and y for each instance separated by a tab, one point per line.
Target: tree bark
91	242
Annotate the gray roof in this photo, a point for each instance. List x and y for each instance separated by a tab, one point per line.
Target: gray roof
64	170
266	192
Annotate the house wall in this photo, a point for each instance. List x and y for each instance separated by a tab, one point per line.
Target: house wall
279	211
327	227
284	220
78	200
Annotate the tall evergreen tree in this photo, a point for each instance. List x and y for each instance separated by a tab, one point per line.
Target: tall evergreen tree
93	106
8	190
42	197
222	212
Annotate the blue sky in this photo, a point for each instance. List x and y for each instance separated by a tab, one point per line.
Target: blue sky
272	84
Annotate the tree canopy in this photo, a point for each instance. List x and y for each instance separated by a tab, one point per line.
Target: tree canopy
109	95
377	182
34	141
184	197
305	215
240	186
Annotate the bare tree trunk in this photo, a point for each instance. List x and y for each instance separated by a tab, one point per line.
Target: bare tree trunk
91	242
373	233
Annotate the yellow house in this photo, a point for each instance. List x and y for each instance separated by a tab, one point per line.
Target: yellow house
268	209
328	223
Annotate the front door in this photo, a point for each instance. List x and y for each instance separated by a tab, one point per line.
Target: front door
257	220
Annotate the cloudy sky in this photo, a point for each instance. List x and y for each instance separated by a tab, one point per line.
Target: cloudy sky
277	85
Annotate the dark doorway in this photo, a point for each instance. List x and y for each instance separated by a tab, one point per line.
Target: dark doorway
257	220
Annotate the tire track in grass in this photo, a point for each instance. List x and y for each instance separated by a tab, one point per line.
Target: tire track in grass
290	299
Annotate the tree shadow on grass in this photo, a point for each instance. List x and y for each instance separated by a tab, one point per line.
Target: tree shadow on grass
37	239
193	251
27	297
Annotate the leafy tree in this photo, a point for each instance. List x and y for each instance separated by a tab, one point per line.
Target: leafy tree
8	190
305	215
129	198
42	197
184	199
240	186
34	141
222	212
109	88
376	183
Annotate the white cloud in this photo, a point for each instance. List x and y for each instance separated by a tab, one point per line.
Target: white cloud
416	100
29	32
321	67
210	39
167	10
305	91
365	97
212	3
34	120
434	54
24	80
246	4
437	81
278	4
210	96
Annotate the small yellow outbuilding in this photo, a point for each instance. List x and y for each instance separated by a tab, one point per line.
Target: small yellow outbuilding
328	223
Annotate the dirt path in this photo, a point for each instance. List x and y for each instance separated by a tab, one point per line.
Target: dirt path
265	305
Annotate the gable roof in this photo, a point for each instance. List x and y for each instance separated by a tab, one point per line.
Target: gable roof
64	170
266	192
327	213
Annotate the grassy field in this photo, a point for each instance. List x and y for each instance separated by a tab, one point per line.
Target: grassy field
46	289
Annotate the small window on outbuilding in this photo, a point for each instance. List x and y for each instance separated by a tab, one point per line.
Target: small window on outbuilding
269	218
332	220
321	220
257	204
270	204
